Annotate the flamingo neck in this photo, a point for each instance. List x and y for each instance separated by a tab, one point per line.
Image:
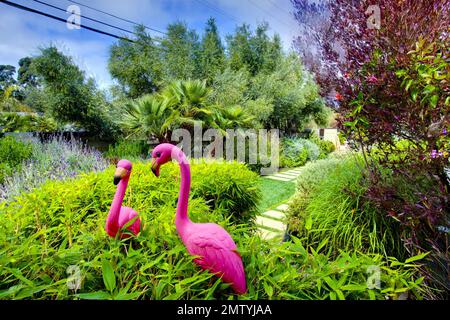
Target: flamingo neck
181	218
112	223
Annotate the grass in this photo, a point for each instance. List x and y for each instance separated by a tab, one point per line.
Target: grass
274	193
334	208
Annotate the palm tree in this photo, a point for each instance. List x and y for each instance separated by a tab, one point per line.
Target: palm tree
187	99
147	117
232	117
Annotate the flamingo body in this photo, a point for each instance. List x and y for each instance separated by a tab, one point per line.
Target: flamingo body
126	215
119	216
217	253
213	247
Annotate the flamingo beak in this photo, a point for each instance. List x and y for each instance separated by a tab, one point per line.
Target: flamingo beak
119	174
155	167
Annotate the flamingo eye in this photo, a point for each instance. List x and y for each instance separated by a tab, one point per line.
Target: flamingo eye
158	154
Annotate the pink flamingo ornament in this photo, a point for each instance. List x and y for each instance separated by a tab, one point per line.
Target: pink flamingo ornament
119	216
214	247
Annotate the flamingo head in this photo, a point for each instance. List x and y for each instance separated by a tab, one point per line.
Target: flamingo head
161	155
123	169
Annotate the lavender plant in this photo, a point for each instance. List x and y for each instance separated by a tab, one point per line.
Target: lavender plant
54	159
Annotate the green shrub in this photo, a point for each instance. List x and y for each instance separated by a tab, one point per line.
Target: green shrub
14	122
296	151
326	147
227	186
12	153
333	207
54	159
313	173
43	236
128	149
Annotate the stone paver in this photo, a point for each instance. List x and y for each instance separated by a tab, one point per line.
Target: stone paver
287	176
287	173
279	178
283	207
268	235
270	223
273	214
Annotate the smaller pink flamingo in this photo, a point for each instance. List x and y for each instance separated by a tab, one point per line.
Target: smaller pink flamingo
214	247
119	216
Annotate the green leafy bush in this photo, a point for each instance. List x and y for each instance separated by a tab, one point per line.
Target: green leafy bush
326	147
227	186
129	149
334	208
297	151
45	236
313	173
12	153
14	122
53	159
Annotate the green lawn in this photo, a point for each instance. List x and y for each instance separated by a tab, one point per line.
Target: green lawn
275	193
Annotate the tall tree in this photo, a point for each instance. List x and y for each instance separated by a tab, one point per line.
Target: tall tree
7	73
240	53
71	97
254	51
212	52
180	50
137	65
26	76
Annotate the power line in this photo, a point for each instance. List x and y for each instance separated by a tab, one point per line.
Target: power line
117	17
218	10
268	13
21	7
85	17
274	4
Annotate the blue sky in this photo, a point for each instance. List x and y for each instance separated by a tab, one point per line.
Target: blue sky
22	33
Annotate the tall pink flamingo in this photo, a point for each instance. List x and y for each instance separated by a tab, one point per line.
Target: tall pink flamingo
119	216
214	247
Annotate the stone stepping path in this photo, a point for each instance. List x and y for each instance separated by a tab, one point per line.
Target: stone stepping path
271	223
288	175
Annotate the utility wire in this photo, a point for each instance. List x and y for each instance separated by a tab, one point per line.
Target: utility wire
21	7
274	4
85	17
117	17
216	9
268	13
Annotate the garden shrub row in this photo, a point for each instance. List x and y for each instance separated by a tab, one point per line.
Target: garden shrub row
297	151
330	204
12	154
59	227
128	149
38	161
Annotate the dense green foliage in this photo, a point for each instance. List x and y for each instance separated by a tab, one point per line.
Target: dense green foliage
67	231
6	77
70	96
128	149
296	152
14	122
53	159
12	154
330	205
227	187
251	72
